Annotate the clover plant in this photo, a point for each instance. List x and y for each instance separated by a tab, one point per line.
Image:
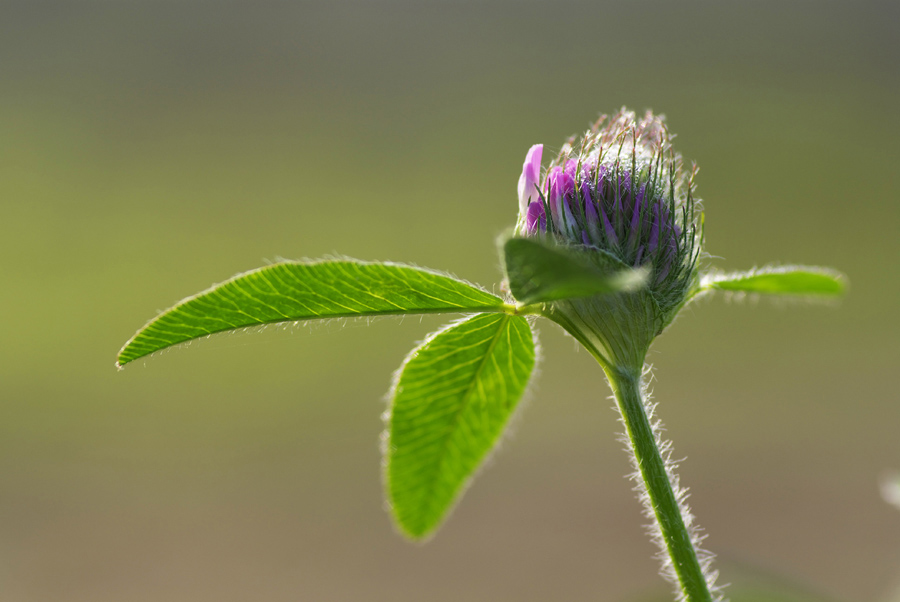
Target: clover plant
608	245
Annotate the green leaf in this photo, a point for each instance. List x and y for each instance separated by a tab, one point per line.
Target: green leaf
793	280
450	402
539	272
291	291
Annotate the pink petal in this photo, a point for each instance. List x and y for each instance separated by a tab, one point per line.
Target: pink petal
530	178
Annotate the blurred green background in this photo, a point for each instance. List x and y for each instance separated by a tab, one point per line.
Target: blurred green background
149	149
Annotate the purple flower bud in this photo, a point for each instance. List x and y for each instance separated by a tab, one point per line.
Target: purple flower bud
615	190
530	178
619	197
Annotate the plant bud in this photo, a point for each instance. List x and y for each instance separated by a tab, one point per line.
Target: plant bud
619	194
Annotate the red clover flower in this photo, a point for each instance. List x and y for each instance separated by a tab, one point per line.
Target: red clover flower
620	197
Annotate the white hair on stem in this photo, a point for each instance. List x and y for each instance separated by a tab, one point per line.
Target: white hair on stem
704	557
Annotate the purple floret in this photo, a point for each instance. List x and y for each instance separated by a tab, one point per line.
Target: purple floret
530	179
535	218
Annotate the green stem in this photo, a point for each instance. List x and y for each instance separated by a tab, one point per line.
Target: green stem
626	385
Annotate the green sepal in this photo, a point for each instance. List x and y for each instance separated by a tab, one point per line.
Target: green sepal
539	271
296	290
450	402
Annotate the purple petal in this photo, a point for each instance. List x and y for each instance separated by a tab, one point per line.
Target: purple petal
535	217
555	194
654	231
665	263
635	228
641	194
571	223
593	220
663	272
673	243
587	171
602	172
567	183
640	255
531	176
610	233
585	190
617	206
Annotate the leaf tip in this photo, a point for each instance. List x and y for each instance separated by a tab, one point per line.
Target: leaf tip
126	355
419	533
122	360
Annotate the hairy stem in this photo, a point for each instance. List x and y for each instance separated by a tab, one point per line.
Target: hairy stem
662	494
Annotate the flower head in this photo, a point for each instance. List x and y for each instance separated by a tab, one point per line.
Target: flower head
619	189
620	193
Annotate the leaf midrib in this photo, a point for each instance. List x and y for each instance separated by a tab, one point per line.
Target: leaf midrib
501	308
432	482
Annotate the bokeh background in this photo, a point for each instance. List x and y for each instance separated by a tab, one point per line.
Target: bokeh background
149	149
